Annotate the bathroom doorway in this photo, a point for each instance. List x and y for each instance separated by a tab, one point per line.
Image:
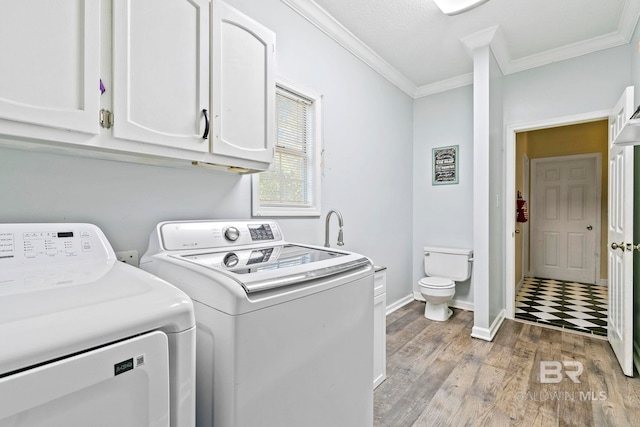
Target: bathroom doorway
560	277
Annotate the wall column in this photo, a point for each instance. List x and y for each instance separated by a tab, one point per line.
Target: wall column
488	187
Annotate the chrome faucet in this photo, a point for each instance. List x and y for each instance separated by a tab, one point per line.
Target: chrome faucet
326	228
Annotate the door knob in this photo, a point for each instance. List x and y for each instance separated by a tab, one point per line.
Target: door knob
518	232
589	227
615	246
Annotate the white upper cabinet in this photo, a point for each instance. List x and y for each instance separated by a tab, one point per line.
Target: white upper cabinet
161	72
188	82
242	85
50	72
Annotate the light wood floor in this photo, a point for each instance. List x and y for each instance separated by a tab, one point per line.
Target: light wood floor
437	375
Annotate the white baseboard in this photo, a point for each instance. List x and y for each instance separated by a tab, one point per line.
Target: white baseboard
636	355
602	282
398	304
464	305
488	334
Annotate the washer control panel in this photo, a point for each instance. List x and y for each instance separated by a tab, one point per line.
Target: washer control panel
181	235
51	243
261	232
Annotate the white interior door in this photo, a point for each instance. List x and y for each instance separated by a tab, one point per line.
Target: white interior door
565	218
620	318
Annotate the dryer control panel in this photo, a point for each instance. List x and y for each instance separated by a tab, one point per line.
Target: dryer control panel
47	244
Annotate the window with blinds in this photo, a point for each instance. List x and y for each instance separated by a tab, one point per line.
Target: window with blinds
291	187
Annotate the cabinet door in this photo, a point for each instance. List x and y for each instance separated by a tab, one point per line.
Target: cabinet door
243	85
379	340
50	63
161	71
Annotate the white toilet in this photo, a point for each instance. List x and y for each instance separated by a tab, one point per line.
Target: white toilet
444	267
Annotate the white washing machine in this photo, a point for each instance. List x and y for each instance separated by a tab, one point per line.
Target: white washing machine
86	340
284	331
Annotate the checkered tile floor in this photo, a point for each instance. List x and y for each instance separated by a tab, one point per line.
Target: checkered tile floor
568	305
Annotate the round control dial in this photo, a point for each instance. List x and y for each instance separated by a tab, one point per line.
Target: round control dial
231	234
230	260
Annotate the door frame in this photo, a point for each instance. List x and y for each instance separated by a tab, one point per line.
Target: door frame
597	158
510	190
526	227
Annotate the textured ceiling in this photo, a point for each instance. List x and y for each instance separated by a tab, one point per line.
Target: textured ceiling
424	46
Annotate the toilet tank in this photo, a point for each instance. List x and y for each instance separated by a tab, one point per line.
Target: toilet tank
450	263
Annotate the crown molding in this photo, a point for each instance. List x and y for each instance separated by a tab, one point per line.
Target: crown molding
492	36
626	27
480	39
444	85
565	52
313	13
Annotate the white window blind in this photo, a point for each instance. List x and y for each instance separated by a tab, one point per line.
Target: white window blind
291	186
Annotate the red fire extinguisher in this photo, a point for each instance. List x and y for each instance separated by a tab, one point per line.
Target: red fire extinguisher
522	213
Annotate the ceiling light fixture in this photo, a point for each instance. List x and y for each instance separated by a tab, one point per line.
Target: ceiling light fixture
454	7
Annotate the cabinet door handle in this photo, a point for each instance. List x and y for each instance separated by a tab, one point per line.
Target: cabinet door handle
206	124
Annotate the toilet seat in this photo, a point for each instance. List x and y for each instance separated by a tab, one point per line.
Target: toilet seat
437	283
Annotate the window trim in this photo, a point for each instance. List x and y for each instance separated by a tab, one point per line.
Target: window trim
315	208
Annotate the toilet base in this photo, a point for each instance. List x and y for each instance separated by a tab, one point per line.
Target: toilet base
438	312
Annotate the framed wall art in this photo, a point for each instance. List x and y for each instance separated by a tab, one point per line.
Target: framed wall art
445	165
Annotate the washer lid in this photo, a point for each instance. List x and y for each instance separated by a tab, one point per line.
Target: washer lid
262	268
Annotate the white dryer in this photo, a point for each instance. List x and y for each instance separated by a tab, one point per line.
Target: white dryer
86	340
284	331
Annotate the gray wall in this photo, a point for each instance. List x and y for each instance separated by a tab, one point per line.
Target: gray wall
367	167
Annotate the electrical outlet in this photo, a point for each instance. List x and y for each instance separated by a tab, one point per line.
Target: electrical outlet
128	257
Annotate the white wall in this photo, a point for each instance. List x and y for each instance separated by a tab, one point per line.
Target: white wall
634	55
367	167
585	84
443	214
126	200
367	143
496	288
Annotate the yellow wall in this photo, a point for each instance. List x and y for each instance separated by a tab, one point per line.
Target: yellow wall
565	141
